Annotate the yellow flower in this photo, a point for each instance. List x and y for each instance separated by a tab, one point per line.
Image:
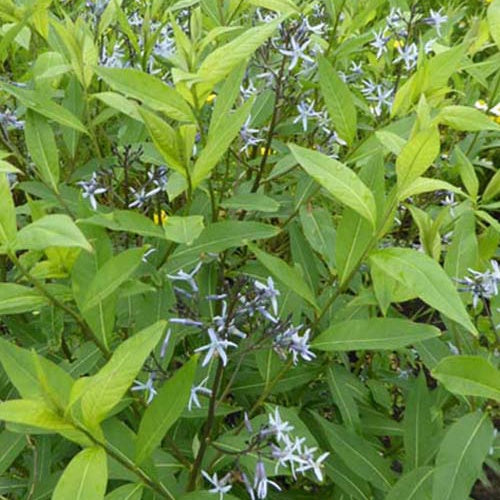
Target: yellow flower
210	98
398	44
262	151
156	218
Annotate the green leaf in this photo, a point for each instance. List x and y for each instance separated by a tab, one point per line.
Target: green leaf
164	139
417	156
339	101
149	90
493	188
34	100
463	253
251	202
228	94
373	333
357	454
319	231
42	147
493	15
111	275
415	485
288	275
128	221
467	119
104	390
57	230
183	229
164	410
34	413
220	62
282	6
85	477
342	396
11	445
461	455
218	237
469	376
340	181
423	276
16	299
127	491
419	433
33	376
223	135
467	173
426	185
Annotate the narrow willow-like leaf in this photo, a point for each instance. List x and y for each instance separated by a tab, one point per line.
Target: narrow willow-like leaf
414	485
183	229
340	181
469	376
417	156
465	118
288	275
111	275
357	454
461	455
426	278
494	21
104	390
42	147
85	477
15	299
373	333
57	230
342	397
339	101
165	409
149	90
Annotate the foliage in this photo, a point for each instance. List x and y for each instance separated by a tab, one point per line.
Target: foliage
248	249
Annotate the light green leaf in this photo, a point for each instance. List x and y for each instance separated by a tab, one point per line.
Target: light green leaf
164	410
15	299
282	6
149	90
111	275
417	156
288	275
494	21
35	377
463	253
461	455
251	202
119	102
467	173
342	396
469	376
85	477
223	135
467	119
11	445
339	101
373	333
164	139
419	432
426	185
220	62
103	391
357	454
391	141
319	231
218	237
493	188
42	147
34	413
183	229
426	278
414	485
340	181
126	492
57	230
39	103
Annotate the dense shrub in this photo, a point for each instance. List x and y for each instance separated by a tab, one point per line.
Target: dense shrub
247	249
